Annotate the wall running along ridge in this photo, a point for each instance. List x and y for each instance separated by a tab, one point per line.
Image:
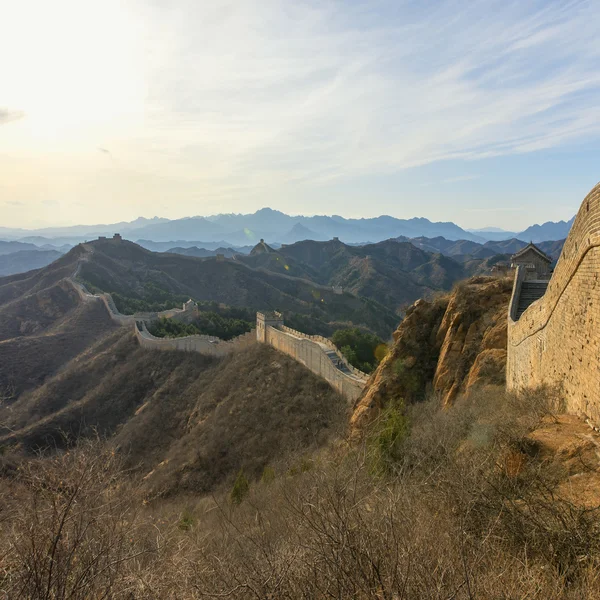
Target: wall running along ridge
312	352
205	344
557	339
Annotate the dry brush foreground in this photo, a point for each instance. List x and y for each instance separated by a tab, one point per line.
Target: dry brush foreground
464	502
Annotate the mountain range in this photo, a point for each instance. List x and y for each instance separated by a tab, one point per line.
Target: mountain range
278	227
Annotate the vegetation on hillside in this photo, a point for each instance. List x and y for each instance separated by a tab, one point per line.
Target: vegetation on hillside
187	421
143	281
455	503
153	299
362	350
207	323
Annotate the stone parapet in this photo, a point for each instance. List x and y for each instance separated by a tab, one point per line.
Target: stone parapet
203	344
331	346
556	341
313	357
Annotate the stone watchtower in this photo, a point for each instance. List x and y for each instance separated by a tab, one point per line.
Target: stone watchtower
264	320
535	262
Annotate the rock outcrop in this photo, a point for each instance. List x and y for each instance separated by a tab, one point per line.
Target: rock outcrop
448	345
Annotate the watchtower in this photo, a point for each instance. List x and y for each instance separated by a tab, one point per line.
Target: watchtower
535	262
264	320
190	306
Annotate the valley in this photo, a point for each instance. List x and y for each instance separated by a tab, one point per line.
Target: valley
217	423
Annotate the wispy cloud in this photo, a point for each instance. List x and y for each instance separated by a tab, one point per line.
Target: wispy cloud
248	101
461	178
292	92
450	180
14	203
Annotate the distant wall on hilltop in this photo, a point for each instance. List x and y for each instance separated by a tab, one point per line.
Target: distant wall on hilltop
205	344
106	299
557	339
118	317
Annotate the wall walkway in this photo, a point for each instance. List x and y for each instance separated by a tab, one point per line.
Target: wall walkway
316	353
204	344
556	341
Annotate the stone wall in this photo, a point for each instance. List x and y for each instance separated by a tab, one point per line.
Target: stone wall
106	299
204	344
312	355
171	313
330	346
557	339
309	350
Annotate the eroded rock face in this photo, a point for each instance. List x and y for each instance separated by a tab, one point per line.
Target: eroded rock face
447	345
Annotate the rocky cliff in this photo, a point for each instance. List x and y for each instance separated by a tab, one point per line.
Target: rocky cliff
447	345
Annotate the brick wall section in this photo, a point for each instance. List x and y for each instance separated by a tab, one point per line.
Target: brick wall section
331	346
204	344
107	300
306	349
557	339
313	357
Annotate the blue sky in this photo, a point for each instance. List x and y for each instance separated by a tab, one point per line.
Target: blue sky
485	113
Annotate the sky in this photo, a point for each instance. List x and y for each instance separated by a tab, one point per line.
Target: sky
485	113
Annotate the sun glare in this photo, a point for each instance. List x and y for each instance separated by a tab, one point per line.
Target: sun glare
72	68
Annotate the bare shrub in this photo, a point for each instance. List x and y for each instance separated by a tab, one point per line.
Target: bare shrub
465	510
72	528
448	521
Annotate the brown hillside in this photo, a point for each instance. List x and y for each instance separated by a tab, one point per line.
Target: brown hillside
185	421
15	286
450	344
136	273
43	325
391	272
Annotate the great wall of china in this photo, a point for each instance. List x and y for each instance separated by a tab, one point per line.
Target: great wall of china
317	353
555	341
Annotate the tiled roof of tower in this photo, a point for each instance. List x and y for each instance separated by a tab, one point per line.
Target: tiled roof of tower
531	246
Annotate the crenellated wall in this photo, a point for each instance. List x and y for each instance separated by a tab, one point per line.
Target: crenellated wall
323	341
557	339
204	344
317	353
313	357
118	317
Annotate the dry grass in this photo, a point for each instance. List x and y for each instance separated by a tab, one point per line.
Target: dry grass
468	511
200	418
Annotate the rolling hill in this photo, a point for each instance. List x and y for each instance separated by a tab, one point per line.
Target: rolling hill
67	371
26	260
393	273
135	275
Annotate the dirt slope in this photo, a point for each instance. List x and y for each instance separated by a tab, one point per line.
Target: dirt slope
185	421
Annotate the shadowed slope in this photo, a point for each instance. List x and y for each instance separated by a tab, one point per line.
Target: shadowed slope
193	420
